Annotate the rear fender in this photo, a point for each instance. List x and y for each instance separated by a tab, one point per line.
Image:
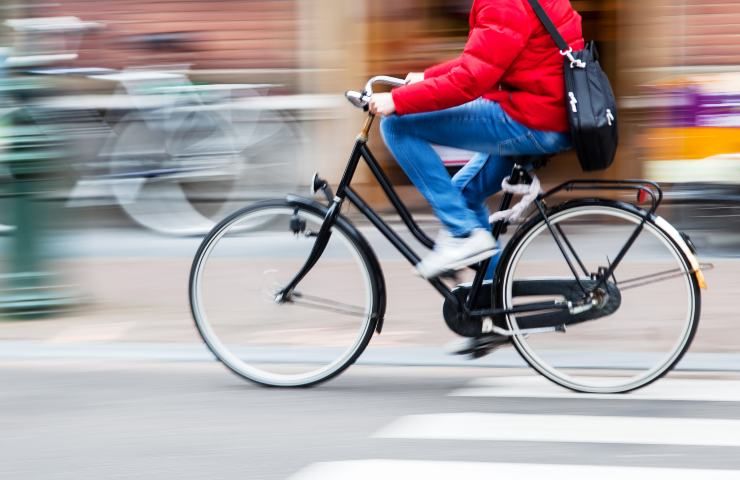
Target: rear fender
686	247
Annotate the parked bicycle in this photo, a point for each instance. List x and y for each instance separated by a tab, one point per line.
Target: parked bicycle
597	295
173	154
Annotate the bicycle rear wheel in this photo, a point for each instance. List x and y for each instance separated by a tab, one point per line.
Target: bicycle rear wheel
321	328
643	319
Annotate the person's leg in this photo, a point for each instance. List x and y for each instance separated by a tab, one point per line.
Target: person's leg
480	126
480	179
476	126
409	138
427	172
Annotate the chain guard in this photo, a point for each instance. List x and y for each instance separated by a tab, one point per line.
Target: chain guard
461	324
610	299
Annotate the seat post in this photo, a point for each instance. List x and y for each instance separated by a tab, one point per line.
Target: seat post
531	162
518	173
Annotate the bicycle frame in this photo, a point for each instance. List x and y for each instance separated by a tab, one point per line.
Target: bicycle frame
345	192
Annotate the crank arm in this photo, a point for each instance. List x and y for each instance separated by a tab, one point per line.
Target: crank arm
527	331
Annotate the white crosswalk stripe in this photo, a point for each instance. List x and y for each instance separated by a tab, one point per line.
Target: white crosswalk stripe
553	428
668	389
407	469
565	428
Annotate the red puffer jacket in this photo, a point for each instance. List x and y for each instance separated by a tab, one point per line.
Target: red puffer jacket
509	58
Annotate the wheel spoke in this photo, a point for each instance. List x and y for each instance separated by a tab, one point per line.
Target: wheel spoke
645	280
312	301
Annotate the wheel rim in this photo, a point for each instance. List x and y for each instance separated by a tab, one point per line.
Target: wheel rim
299	345
622	371
215	167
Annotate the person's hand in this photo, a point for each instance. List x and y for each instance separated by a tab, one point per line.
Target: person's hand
382	104
414	77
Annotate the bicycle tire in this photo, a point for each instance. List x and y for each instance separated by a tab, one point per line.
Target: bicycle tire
537	224
342	228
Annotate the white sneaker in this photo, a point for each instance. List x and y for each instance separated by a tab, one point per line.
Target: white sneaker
455	253
443	236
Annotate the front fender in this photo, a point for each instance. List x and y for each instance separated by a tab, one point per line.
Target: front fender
363	245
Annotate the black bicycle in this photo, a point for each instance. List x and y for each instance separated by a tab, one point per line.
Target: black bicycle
597	295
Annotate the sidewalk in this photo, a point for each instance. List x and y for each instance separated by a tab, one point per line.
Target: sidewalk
144	301
410	356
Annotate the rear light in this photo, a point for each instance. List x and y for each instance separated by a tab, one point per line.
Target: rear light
643	195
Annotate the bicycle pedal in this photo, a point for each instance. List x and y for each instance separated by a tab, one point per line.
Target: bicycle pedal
479	347
488	348
480	353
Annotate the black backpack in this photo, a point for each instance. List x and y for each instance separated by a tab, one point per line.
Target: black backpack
590	101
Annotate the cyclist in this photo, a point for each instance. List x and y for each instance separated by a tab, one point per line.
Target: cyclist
503	96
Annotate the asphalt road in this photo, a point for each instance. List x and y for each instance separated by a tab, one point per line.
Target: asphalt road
123	388
99	419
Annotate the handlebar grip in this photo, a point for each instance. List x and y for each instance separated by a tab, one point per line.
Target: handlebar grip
361	99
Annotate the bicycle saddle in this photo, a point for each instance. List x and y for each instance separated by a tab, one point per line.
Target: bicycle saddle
533	162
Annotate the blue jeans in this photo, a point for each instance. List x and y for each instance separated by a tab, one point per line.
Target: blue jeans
480	126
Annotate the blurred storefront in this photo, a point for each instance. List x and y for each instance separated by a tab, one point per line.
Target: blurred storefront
688	86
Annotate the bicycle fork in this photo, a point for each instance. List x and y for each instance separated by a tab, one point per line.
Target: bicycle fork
322	240
324	235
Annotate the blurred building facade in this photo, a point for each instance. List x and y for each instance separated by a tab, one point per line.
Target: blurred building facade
223	34
328	46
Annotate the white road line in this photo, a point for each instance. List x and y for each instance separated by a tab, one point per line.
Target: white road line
699	390
429	470
565	428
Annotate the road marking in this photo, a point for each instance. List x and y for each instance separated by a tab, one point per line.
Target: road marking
430	470
565	428
695	390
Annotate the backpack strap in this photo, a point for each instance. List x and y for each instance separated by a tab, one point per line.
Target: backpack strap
565	49
549	26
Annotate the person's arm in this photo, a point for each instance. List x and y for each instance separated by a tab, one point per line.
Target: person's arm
441	68
501	31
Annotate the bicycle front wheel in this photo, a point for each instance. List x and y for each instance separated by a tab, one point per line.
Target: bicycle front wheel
324	324
635	328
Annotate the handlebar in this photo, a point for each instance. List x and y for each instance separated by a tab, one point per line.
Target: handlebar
361	99
384	79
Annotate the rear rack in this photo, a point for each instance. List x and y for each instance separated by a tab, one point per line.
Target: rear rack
645	187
